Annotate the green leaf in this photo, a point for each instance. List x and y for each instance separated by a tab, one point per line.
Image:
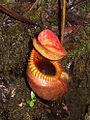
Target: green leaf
30	103
34	100
32	95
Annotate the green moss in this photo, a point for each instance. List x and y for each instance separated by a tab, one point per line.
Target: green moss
34	15
81	49
15	46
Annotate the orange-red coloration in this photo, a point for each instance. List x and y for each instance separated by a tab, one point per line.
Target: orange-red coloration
44	74
48	45
48	86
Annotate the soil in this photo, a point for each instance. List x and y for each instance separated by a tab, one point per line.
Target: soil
15	47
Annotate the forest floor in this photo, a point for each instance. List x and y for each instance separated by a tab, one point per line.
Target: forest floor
15	47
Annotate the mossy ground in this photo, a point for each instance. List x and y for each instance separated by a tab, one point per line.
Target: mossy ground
15	47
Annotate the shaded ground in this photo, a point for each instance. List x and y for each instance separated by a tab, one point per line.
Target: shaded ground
15	46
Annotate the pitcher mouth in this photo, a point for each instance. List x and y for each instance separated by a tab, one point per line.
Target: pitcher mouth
43	68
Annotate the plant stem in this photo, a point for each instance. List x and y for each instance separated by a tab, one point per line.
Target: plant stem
16	15
63	20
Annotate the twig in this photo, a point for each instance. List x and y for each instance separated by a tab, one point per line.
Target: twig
80	2
16	15
72	18
63	21
35	4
